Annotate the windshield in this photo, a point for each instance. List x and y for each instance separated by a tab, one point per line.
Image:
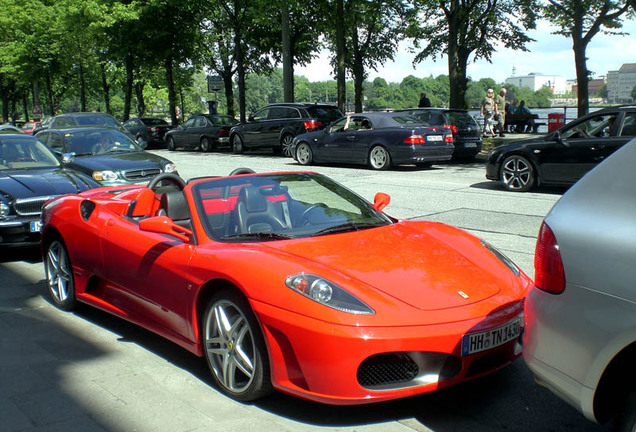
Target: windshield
281	206
100	141
25	152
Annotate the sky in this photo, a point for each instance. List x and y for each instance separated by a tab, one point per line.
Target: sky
550	55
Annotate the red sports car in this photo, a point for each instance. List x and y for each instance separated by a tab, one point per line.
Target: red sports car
289	281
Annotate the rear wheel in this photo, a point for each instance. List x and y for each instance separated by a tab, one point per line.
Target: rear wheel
517	174
304	155
626	420
170	144
379	158
59	275
206	144
286	144
237	144
234	348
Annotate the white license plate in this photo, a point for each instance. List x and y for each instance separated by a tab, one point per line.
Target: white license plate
470	144
434	138
488	339
36	226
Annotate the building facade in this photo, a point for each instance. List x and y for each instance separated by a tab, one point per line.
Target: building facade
535	81
620	84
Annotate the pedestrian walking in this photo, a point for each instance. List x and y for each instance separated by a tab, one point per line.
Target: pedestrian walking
488	110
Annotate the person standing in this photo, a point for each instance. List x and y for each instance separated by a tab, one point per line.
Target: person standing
500	101
488	110
424	101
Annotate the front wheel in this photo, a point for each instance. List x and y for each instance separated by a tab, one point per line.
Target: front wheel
379	158
304	155
235	349
170	144
59	275
237	144
517	174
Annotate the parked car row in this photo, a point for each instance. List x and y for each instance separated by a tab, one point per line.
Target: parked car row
577	320
65	157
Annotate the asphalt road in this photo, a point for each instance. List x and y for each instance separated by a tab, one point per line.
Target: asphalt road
88	371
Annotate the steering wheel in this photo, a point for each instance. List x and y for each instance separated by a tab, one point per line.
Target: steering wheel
303	219
239	171
171	178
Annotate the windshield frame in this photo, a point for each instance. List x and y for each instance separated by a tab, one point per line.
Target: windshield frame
295	205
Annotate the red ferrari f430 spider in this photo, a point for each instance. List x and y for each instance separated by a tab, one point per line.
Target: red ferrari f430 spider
289	281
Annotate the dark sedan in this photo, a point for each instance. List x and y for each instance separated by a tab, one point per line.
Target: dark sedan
205	131
107	155
562	157
466	130
149	130
377	139
30	174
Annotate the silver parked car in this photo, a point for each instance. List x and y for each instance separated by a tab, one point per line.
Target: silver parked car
580	336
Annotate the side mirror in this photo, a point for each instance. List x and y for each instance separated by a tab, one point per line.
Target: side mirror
250	118
165	225
66	157
142	143
558	138
380	201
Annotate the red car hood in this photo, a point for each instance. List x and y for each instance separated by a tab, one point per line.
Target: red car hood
402	261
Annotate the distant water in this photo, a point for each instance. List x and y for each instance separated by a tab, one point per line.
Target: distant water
570	114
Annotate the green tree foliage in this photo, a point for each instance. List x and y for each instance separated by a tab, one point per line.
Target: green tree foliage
461	29
581	20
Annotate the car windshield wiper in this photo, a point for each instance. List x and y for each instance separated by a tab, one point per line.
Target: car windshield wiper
257	236
346	227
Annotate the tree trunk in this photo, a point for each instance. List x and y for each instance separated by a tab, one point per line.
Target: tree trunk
82	87
240	72
106	89
141	102
582	76
172	96
49	91
341	56
457	65
288	61
25	107
229	94
358	72
129	86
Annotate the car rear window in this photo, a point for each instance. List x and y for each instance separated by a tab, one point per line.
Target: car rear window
325	114
222	120
97	121
155	122
461	118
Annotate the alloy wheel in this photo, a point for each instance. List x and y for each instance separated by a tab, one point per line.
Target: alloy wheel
517	174
59	275
304	155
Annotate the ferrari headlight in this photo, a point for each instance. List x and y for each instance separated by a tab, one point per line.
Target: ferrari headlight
102	176
4	210
501	257
327	293
170	168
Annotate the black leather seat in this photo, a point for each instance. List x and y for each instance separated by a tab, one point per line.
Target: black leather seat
173	204
255	213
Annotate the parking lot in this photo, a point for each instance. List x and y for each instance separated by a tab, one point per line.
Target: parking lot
89	371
